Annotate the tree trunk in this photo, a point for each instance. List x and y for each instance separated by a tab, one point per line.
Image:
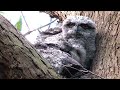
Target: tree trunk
18	58
107	60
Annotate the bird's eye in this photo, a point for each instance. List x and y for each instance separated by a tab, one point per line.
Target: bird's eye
70	24
85	26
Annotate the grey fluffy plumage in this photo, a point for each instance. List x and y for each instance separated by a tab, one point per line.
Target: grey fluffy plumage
74	44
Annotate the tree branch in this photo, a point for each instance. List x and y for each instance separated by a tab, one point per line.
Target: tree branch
84	70
39	28
25	20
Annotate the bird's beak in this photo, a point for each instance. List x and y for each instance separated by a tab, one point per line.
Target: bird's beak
78	28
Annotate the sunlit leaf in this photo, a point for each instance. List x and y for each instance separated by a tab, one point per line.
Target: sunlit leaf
18	25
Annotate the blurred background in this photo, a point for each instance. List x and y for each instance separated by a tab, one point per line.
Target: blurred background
28	21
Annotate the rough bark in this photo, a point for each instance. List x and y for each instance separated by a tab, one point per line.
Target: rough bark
18	58
107	60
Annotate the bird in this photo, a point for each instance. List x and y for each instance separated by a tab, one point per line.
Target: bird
72	47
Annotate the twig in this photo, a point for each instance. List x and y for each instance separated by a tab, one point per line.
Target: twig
39	28
25	20
50	21
69	72
93	73
85	70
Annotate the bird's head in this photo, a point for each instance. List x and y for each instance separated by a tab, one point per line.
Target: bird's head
75	24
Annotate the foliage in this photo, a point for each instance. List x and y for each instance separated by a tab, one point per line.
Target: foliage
18	25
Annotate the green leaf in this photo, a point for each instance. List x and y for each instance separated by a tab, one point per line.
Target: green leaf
18	25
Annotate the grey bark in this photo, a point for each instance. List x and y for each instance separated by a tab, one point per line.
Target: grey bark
18	58
107	60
